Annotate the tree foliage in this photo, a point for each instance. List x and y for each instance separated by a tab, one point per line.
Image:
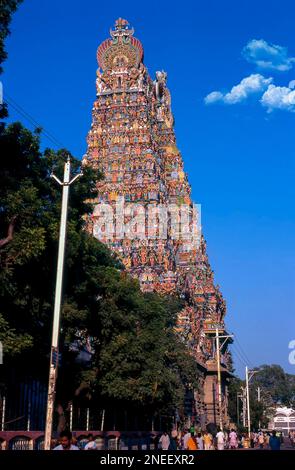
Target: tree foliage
279	385
7	8
117	343
258	409
276	388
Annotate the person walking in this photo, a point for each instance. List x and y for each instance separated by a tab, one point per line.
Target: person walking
186	437
200	441
261	440
220	438
192	442
274	442
164	441
91	444
173	442
233	439
208	441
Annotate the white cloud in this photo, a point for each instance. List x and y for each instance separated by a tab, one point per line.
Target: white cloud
268	56
213	97
253	84
279	97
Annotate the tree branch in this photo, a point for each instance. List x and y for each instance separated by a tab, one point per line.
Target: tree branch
10	231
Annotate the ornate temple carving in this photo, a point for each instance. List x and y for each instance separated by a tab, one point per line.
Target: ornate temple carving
132	141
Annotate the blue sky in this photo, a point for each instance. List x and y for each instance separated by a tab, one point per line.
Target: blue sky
237	145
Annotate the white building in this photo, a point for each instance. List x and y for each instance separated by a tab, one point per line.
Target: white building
283	420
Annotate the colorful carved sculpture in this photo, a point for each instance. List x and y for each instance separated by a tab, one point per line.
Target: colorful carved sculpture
132	141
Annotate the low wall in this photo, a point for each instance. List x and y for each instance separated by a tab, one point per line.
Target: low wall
106	440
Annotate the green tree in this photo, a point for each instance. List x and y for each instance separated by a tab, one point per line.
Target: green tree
274	381
7	8
259	409
276	388
234	389
133	354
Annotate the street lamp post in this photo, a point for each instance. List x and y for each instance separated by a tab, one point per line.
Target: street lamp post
219	379
249	375
218	349
57	301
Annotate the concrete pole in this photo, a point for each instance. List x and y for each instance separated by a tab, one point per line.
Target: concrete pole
248	401
258	399
57	301
244	405
219	379
102	420
29	417
87	419
71	417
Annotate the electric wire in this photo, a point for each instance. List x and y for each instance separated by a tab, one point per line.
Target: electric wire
32	120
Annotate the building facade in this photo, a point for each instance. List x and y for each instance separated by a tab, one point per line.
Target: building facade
144	210
283	420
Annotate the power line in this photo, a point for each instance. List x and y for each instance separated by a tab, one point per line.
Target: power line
243	353
238	356
33	121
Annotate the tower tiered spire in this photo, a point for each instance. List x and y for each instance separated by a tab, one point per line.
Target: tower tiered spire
132	141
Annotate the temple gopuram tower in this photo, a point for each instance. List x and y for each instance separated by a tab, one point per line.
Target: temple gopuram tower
132	141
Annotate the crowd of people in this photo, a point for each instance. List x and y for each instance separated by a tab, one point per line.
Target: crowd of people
192	439
68	442
221	440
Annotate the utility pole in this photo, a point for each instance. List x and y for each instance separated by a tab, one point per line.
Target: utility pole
219	379
240	396
249	375
218	349
238	410
71	416
248	401
243	398
29	417
87	419
259	399
57	301
102	420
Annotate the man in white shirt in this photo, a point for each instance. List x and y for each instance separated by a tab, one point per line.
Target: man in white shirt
164	441
220	440
200	441
186	438
91	444
65	439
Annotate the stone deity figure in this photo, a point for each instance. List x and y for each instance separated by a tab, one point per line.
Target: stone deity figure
152	258
160	116
134	258
143	255
160	84
166	263
99	82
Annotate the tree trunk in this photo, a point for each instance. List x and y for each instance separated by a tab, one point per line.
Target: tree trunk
10	231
